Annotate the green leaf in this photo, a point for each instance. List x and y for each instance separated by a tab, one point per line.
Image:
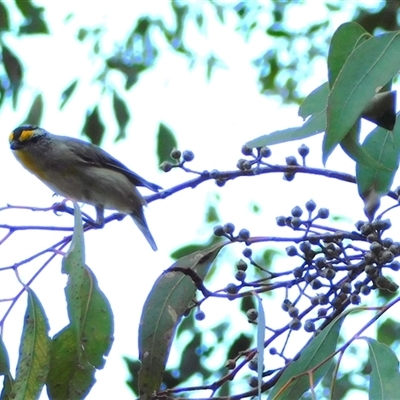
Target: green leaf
385	376
35	113
351	146
165	305
346	38
373	183
293	382
369	67
121	114
4	18
314	125
14	71
260	342
5	371
34	22
4	360
94	126
166	141
79	349
34	358
66	94
315	102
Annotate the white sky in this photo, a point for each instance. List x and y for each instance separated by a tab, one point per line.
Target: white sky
213	120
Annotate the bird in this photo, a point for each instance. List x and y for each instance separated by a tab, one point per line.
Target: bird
83	172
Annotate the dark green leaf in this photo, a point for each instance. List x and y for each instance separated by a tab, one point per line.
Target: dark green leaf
373	183
13	70
4	19
35	113
66	94
94	127
385	376
34	353
294	382
370	66
4	360
168	300
5	371
381	110
121	114
79	349
34	22
388	332
166	142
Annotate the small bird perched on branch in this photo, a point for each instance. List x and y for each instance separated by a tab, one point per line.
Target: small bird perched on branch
83	172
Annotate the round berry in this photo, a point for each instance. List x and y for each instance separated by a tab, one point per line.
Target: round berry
297	211
295	324
240	275
303	150
241	265
309	326
281	220
311	205
219	230
240	163
231	288
246	151
244	234
323	213
200	315
229	228
265	152
247	252
176	154
188	155
291	160
293	311
166	166
252	314
291	251
288	176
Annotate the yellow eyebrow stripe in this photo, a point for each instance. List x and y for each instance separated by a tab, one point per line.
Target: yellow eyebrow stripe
25	135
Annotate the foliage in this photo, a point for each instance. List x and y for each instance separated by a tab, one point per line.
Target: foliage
336	269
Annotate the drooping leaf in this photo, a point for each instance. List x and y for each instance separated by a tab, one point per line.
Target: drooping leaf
5	371
79	349
385	376
94	126
34	353
166	141
169	298
373	183
35	113
369	67
293	383
14	71
121	114
260	342
4	18
66	94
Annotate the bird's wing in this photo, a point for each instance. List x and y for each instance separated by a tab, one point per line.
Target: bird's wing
96	156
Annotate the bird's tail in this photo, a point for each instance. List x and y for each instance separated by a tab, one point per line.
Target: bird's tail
140	221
